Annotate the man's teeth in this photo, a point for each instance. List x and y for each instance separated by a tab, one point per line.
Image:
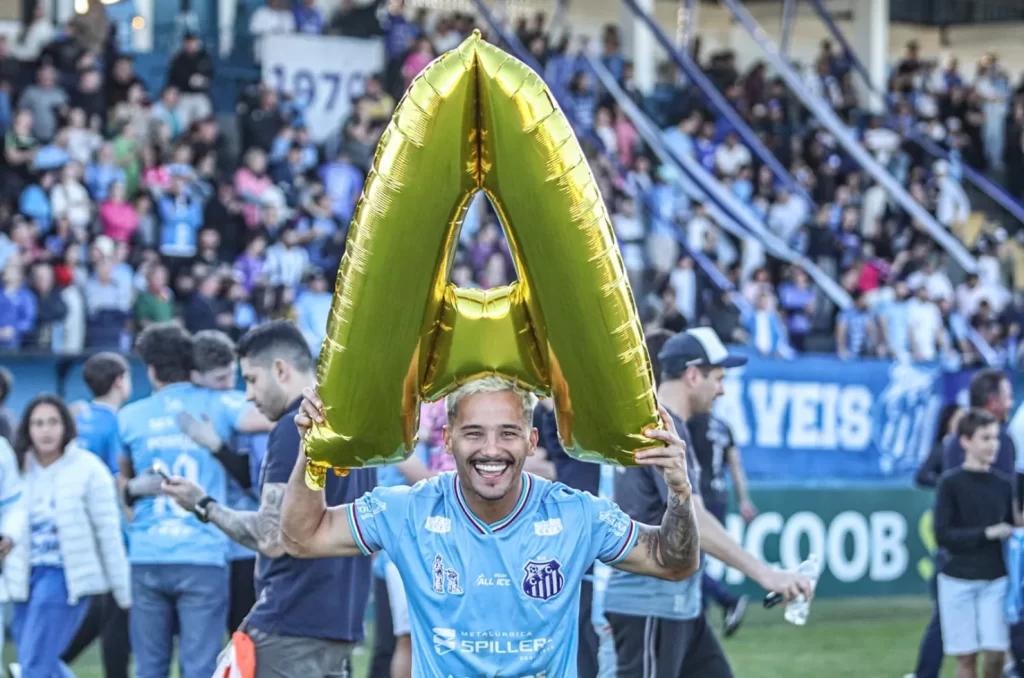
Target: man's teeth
491	468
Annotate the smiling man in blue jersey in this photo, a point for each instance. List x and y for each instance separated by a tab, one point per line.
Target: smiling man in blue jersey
659	627
179	564
491	557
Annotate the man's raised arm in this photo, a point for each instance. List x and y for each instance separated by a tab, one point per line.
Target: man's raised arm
671	551
309	528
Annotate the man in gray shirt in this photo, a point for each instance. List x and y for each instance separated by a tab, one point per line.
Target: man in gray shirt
660	630
45	99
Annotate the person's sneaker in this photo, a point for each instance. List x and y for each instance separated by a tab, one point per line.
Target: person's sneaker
14	670
734	615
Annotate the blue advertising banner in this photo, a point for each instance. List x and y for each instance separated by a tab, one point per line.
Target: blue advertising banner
819	417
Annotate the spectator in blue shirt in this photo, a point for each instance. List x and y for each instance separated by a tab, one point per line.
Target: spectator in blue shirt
35	202
102	174
323	233
796	298
856	332
181	218
17	305
313	308
343	182
309	19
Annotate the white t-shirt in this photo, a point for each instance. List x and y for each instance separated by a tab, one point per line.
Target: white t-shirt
268	21
925	322
43	516
729	161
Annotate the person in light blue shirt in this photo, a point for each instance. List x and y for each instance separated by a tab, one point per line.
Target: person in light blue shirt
894	320
178	562
491	557
109	379
313	308
660	627
216	369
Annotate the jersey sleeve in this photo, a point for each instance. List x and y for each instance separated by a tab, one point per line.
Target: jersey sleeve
376	518
228	408
613	533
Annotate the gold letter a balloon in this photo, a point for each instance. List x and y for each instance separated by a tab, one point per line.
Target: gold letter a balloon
479	120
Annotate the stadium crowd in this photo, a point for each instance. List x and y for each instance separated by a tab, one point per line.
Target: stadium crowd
126	206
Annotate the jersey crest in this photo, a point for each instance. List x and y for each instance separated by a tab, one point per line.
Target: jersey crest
543	579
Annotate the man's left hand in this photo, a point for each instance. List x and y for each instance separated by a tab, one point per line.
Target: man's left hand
184	491
670	461
748	510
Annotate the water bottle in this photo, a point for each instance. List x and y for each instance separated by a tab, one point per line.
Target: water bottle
798	609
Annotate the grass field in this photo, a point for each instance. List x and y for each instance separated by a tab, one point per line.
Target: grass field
871	638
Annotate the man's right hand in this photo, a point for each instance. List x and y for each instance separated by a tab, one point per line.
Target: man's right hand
311	411
999	532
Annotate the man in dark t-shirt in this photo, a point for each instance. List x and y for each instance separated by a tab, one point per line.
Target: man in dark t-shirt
714	448
291	635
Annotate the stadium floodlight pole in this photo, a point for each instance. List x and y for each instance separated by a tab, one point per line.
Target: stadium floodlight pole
788	19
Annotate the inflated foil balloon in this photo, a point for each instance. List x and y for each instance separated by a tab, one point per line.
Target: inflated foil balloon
399	333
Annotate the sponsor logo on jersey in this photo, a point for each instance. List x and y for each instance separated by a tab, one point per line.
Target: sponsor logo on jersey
548	528
499	579
438	525
543	579
521	643
367	507
616	520
444	641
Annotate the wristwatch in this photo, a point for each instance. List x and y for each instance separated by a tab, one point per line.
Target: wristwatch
202	508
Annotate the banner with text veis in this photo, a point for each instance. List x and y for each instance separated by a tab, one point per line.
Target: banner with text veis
324	73
821	417
871	541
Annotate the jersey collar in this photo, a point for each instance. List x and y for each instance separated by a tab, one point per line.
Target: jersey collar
481	526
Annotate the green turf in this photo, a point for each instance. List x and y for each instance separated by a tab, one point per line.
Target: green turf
871	638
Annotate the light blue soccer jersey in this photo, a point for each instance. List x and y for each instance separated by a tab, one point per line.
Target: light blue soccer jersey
162	532
492	600
97	432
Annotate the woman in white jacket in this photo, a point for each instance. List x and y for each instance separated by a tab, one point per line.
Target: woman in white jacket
74	548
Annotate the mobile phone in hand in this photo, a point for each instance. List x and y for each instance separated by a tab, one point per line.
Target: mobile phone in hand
160	469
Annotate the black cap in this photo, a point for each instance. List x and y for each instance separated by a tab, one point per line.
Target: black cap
699	347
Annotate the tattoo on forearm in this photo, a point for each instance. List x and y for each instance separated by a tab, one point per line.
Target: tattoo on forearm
676	544
240	526
257	530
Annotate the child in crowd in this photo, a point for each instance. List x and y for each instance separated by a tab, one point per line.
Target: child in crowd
973	516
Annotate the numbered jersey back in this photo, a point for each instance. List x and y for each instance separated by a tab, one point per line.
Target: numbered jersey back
161	531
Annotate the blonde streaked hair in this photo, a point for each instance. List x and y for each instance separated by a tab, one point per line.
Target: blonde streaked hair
491	384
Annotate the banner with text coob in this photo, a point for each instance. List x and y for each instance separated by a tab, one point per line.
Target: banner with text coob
871	541
821	417
323	73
